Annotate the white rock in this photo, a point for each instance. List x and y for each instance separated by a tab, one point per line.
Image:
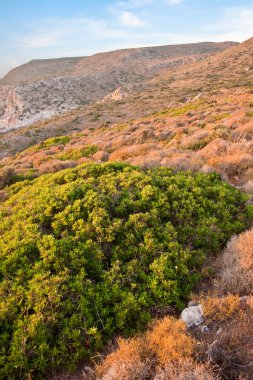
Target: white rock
192	316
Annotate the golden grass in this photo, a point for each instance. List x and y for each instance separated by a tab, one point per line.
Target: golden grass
236	274
216	308
169	341
166	342
127	362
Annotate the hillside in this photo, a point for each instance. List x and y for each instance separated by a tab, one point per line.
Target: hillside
44	88
117	214
210	129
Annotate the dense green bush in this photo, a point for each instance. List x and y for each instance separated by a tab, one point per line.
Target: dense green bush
76	153
87	252
51	141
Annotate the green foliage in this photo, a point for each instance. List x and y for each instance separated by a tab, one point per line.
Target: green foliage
221	116
75	153
250	114
186	108
198	145
86	253
52	141
179	111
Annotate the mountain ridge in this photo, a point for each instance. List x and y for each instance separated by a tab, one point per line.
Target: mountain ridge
41	89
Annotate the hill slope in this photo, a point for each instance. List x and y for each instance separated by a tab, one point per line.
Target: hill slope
43	88
201	122
197	116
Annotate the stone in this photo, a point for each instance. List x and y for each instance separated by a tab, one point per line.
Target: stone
192	316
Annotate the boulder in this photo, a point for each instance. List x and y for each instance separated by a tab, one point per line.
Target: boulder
192	316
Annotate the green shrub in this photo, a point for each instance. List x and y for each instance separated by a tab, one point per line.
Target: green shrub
221	116
76	153
186	108
198	145
52	141
86	253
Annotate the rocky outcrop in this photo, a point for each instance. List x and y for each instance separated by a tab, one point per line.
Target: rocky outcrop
118	94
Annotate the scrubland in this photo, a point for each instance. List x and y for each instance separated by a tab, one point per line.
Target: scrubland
113	220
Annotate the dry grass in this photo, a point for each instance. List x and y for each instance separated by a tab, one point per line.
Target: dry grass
165	343
185	369
167	352
169	341
231	346
236	274
3	196
55	165
6	176
220	309
129	361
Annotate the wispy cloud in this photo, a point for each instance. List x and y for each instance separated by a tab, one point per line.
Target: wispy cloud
129	19
174	2
133	3
234	23
54	32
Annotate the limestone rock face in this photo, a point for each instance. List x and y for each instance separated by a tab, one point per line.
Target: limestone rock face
193	316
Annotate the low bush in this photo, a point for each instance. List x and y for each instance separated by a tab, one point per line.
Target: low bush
131	360
52	141
164	352
236	266
168	339
7	176
86	253
217	309
76	153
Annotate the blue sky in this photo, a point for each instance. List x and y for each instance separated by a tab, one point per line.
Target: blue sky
32	29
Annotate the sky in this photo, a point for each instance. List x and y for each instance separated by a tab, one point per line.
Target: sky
36	29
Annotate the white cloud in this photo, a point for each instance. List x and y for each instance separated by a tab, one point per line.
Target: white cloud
129	19
133	3
174	2
57	32
234	24
40	39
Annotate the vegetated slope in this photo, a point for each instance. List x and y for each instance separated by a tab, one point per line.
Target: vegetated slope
230	69
41	89
91	251
206	123
210	133
173	90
